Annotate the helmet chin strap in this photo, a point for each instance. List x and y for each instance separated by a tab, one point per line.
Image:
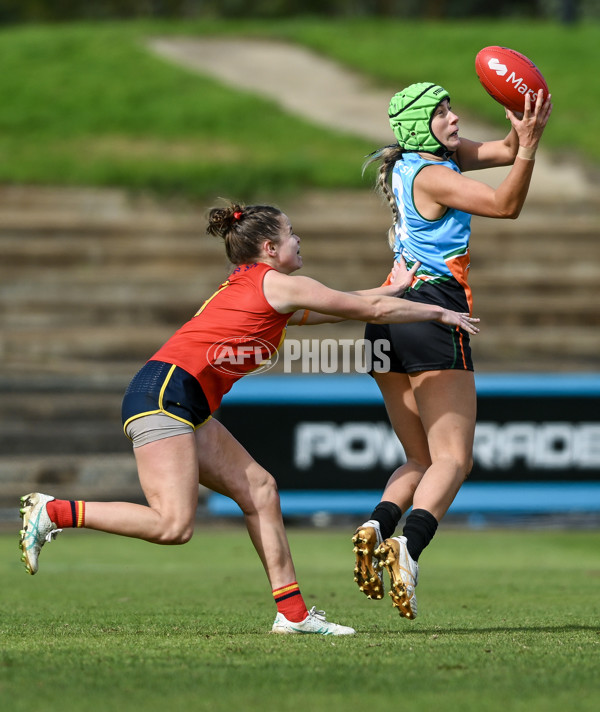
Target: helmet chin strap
444	153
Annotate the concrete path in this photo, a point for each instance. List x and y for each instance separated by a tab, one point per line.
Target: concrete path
307	84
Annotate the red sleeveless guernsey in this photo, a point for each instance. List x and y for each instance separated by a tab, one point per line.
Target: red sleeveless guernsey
233	333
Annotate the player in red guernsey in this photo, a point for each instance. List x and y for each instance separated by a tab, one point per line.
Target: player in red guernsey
253	330
168	406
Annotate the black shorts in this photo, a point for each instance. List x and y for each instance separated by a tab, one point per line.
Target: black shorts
160	387
422	346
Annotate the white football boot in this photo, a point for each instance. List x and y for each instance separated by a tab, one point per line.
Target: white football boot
404	574
37	528
315	622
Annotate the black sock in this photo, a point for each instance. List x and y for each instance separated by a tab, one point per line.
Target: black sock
388	515
419	530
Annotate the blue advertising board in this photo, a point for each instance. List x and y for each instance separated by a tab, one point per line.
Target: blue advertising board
328	442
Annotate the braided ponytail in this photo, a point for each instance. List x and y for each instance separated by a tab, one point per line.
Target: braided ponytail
388	155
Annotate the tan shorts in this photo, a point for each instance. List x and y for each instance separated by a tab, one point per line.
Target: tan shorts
148	428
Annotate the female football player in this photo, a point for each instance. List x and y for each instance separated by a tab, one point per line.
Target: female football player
429	392
168	406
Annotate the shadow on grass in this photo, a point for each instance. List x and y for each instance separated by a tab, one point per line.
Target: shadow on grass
439	631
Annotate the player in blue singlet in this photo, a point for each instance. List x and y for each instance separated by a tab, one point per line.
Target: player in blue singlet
429	391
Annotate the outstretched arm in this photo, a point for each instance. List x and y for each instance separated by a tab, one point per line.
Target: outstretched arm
287	294
397	282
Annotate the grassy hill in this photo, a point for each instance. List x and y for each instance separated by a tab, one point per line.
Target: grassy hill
87	104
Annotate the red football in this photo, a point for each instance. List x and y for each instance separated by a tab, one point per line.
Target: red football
508	76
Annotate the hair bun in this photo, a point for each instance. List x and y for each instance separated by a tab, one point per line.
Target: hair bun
221	220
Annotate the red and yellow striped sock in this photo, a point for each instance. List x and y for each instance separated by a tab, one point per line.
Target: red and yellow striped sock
290	602
65	513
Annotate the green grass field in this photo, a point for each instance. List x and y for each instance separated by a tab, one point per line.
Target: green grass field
509	621
88	104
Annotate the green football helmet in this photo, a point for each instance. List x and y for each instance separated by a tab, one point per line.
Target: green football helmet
410	113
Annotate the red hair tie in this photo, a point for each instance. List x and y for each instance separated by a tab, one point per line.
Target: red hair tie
237	214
